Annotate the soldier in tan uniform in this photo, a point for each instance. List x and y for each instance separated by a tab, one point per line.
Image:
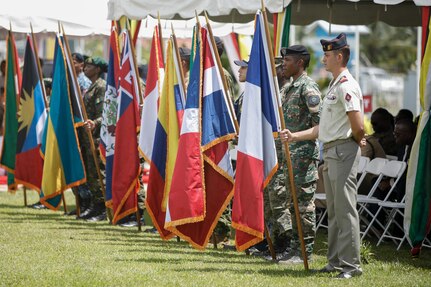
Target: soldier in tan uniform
341	129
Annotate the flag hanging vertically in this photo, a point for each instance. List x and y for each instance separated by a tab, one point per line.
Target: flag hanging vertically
109	115
10	132
202	184
282	29
126	169
31	120
417	218
151	98
63	167
74	89
166	139
256	158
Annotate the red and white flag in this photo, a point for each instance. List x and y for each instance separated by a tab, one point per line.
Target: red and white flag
153	90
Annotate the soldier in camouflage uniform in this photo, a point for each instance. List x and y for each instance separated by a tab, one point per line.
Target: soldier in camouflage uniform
301	108
93	102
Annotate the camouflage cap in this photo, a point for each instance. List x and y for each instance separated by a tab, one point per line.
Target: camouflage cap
98	62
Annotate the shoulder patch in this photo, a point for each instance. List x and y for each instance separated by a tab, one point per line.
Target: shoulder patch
313	101
348	97
343	79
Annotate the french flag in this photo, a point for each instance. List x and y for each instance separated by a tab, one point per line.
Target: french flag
156	72
194	212
256	158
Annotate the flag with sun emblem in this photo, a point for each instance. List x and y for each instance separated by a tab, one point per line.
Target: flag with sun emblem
31	121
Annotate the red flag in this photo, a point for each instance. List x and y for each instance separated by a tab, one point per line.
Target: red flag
125	183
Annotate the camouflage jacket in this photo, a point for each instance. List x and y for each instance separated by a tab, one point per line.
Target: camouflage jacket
93	101
301	102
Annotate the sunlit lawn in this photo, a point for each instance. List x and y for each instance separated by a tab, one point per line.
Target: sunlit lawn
46	248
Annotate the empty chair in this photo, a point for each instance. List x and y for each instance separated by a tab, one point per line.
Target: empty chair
367	205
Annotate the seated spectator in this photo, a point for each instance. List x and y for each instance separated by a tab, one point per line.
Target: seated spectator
404	114
383	125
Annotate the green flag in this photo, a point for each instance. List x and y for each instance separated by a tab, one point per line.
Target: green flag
12	86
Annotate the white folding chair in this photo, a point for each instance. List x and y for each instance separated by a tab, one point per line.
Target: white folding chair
321	197
393	169
396	208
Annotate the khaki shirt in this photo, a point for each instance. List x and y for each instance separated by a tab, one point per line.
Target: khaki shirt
344	95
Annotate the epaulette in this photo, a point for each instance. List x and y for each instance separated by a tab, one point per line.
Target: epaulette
343	79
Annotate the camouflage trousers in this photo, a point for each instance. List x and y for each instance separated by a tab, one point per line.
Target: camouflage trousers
280	212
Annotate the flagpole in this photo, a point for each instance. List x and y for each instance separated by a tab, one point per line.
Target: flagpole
84	114
141	99
229	99
175	46
160	36
286	145
25	195
39	68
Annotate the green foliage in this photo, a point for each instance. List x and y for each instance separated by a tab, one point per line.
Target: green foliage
391	48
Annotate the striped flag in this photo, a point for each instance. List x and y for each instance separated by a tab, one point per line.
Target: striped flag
63	167
10	133
109	115
282	29
126	169
31	119
256	158
417	217
151	98
172	102
202	184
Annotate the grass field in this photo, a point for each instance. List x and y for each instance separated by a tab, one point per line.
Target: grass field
46	248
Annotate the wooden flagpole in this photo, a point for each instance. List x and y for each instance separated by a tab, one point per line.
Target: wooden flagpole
286	145
84	114
220	68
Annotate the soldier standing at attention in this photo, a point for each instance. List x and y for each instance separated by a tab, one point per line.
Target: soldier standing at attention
301	106
93	101
341	129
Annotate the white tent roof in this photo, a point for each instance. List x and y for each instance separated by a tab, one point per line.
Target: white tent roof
347	12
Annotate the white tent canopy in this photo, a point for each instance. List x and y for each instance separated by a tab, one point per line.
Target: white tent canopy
346	12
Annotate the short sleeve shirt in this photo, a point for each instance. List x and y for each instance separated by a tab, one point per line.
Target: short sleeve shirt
301	101
344	95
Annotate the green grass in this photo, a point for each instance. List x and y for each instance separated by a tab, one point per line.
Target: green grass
45	248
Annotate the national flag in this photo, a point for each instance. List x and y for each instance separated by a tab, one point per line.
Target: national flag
230	44
151	98
63	167
256	158
417	217
172	102
10	132
109	115
197	199
282	29
125	182
31	122
74	89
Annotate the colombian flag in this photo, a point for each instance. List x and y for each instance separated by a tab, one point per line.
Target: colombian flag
63	167
166	140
